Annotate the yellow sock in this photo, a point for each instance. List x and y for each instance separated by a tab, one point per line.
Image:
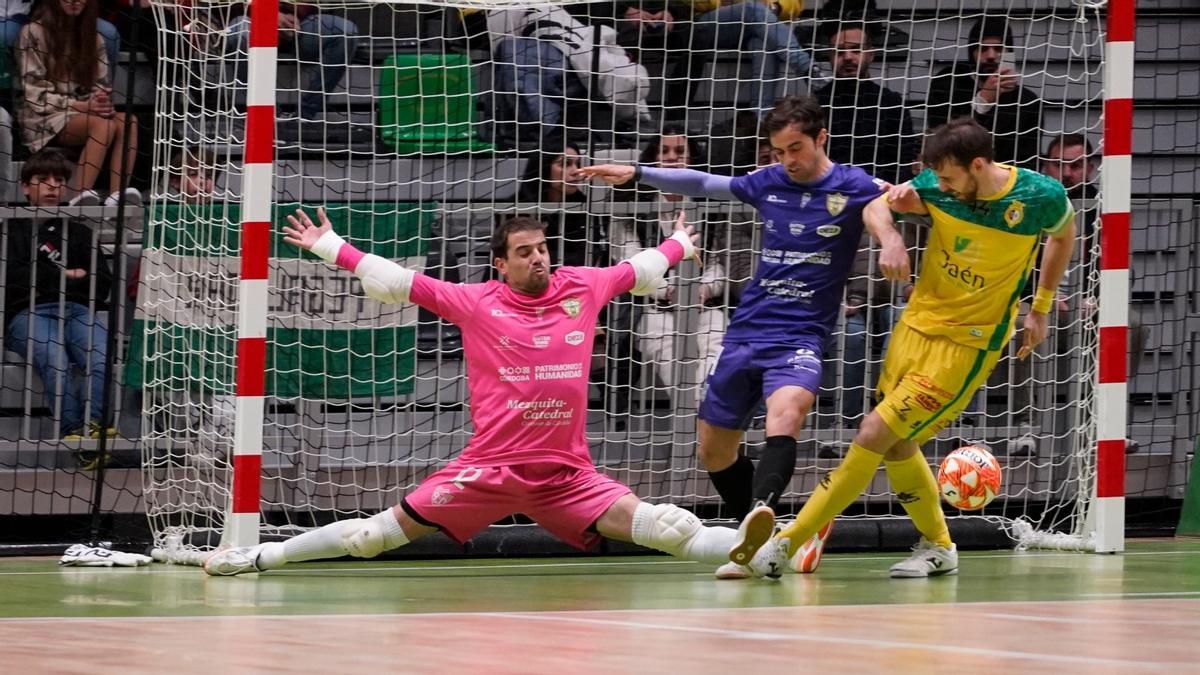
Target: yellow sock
833	494
917	490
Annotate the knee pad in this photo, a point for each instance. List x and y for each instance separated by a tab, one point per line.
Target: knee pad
363	538
665	527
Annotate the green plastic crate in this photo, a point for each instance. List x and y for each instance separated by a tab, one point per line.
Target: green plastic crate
427	104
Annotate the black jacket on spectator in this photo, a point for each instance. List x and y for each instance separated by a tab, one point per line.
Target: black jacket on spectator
40	269
869	128
1015	121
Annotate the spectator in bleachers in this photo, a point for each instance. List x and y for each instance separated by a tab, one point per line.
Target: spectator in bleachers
56	281
655	319
67	96
868	124
988	87
1070	160
15	14
543	63
690	33
552	182
317	38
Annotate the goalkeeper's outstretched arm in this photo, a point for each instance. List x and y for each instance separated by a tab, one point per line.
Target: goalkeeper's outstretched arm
674	181
382	279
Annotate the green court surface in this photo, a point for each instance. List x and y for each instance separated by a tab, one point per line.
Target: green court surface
1038	611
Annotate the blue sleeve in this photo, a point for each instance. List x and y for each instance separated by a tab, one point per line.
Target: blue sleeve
688	182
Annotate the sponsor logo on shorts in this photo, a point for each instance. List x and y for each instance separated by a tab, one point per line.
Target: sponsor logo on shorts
804	359
541	341
558	371
829	230
441	496
929	384
575	337
928	402
903	408
514	373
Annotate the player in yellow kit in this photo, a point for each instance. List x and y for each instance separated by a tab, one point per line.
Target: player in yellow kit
988	221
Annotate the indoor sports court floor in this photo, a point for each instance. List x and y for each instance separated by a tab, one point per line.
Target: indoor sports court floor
1005	612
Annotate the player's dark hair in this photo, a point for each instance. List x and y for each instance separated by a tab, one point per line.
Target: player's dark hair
803	111
510	225
47	162
1068	141
960	140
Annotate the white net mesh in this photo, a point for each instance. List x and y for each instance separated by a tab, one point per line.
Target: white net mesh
419	126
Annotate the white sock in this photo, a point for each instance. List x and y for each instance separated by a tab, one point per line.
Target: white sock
710	545
329	541
706	544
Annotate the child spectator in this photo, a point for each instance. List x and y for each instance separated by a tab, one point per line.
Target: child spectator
55	283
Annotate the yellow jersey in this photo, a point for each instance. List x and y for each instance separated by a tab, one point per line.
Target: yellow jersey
980	254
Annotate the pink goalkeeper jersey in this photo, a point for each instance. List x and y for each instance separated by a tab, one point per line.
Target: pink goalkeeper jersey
527	361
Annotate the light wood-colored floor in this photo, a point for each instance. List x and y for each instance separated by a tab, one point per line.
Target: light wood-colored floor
1006	612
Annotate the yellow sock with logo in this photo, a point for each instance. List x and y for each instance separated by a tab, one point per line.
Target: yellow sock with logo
917	491
834	493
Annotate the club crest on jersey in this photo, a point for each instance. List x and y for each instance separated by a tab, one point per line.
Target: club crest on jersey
571	306
1014	214
835	203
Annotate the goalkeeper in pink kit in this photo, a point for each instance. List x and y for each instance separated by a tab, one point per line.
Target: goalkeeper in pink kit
528	342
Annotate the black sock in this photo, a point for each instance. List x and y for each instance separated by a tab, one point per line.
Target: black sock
733	484
775	469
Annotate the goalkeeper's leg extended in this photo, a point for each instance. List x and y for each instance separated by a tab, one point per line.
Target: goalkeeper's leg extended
360	537
670	529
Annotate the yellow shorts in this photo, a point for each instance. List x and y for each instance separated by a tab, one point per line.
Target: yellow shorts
927	381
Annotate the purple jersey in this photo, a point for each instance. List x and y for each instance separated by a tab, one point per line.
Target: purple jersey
811	235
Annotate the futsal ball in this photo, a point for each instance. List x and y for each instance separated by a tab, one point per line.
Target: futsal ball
969	478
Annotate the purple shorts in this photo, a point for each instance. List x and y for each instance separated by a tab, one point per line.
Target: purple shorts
746	374
462	500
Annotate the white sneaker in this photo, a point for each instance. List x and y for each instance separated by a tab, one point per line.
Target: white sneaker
770	560
927	560
756	528
227	562
133	198
85	198
732	570
808	558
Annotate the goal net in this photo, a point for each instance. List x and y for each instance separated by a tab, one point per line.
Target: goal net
276	397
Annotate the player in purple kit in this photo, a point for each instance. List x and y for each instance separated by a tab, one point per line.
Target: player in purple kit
811	209
527	342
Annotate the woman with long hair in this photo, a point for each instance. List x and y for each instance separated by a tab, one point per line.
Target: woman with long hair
551	181
67	96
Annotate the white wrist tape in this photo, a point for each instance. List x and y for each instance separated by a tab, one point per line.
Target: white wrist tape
689	249
649	266
327	247
384	280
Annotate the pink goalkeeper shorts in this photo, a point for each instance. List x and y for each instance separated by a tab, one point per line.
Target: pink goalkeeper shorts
565	500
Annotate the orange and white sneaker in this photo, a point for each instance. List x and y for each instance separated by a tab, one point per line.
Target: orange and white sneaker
808	557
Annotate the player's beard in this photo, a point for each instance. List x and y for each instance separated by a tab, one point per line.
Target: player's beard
534	284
